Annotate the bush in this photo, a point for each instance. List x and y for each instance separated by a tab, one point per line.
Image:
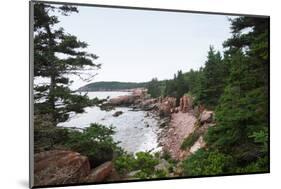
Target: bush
49	138
260	165
206	163
144	162
190	140
124	164
95	142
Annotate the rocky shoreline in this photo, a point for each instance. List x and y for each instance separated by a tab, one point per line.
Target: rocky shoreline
175	123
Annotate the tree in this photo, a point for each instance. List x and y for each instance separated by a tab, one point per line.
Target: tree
176	87
181	85
242	113
153	88
213	80
56	56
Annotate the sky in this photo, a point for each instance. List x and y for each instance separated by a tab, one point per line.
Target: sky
138	45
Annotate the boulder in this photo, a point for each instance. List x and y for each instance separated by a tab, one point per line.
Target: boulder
166	106
118	113
139	92
162	166
122	100
206	117
200	143
186	103
59	167
100	173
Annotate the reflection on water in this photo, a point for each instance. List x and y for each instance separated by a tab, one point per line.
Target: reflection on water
134	129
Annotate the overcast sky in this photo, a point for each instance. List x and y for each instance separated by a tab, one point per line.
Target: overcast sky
137	45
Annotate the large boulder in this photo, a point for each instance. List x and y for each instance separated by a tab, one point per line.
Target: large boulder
206	117
186	103
123	100
166	106
163	165
59	167
100	173
139	92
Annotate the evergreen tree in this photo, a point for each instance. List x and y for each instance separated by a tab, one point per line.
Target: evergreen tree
153	88
57	55
242	113
213	79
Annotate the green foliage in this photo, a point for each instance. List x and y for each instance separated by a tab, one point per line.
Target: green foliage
260	165
206	163
190	140
212	80
146	163
124	164
166	155
142	162
111	86
161	173
242	112
95	142
54	97
176	87
48	138
153	88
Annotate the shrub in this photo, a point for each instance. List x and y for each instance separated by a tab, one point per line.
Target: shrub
143	162
190	140
95	142
48	138
206	163
260	165
124	164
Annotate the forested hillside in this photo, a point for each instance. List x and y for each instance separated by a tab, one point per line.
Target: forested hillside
235	86
111	86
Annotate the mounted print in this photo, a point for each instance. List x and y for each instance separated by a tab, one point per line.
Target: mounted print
124	94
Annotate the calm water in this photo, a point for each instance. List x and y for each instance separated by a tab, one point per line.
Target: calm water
136	130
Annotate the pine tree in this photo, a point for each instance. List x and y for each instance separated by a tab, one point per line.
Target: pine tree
153	88
242	113
213	79
57	55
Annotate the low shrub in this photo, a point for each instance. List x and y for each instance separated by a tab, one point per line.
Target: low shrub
205	162
190	140
95	142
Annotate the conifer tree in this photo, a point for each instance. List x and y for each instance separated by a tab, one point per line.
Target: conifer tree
213	79
57	55
242	113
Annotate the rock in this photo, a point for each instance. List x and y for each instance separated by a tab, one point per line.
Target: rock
164	122
200	143
59	167
118	113
166	105
103	153
149	107
163	165
139	92
132	174
122	100
206	117
100	173
186	103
